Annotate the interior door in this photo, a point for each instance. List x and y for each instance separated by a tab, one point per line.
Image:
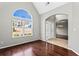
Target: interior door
49	30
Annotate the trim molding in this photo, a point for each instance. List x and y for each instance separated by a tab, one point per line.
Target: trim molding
18	44
69	49
74	51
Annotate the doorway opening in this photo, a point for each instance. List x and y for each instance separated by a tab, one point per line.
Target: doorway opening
56	30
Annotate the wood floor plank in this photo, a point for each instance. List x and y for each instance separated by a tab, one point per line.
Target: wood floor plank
36	48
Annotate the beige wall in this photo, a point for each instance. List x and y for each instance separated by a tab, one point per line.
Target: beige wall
6	10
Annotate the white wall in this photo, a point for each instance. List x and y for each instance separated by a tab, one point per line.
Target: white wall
6	10
74	29
62	31
72	10
61	17
65	9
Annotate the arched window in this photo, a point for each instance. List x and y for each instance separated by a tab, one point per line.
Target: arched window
21	23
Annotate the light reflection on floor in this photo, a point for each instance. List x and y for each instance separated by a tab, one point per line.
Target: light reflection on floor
60	42
26	52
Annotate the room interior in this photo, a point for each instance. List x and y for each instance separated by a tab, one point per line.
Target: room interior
57	30
39	29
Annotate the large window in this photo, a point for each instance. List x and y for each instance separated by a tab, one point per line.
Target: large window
21	23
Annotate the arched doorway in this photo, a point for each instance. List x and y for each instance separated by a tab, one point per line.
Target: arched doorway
56	30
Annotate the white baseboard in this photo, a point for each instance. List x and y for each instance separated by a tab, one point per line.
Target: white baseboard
69	49
17	44
74	51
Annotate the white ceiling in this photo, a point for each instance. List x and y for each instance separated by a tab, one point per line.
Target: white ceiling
43	7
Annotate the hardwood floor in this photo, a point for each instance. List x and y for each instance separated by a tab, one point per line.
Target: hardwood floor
36	48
